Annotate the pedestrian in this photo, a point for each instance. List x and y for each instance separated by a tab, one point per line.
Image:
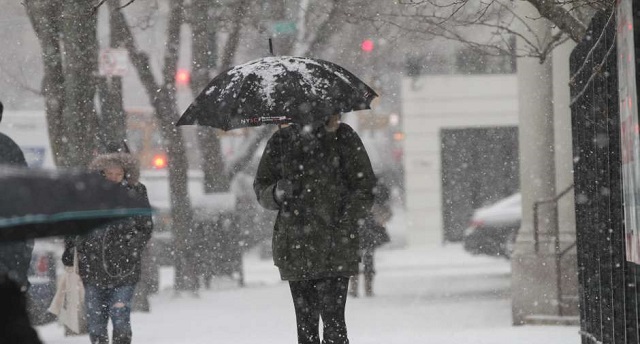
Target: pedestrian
372	235
15	258
110	258
320	180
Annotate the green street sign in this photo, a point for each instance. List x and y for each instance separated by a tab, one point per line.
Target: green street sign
283	27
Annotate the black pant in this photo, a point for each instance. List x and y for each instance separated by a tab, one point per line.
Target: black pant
318	298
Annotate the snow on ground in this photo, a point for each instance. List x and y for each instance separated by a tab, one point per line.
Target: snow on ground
437	295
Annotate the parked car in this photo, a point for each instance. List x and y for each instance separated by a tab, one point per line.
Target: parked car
492	229
45	261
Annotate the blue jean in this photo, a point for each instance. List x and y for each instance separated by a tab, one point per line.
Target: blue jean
105	303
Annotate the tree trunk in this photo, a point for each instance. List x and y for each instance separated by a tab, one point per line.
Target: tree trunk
167	114
45	18
212	162
181	212
81	62
163	99
113	119
208	140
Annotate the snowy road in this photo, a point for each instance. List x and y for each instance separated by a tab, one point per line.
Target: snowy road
442	295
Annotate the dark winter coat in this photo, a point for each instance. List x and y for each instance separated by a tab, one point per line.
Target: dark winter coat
111	255
15	256
15	326
10	153
316	230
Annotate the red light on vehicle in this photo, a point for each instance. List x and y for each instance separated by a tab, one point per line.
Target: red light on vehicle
159	161
43	265
183	76
367	45
398	136
475	223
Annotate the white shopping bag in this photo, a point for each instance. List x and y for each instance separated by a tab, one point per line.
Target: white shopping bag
68	302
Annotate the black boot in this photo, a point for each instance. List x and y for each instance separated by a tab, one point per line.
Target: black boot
122	339
353	286
368	285
98	339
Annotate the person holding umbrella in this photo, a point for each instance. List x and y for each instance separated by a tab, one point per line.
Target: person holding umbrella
315	172
320	180
110	259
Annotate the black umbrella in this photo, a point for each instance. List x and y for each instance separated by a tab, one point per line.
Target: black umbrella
277	90
37	203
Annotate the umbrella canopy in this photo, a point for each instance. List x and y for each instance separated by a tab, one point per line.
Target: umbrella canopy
36	203
281	89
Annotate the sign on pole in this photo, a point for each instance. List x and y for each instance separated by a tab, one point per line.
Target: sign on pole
113	62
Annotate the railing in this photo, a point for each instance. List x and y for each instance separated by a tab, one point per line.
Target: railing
558	253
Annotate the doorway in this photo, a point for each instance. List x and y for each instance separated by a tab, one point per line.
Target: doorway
479	167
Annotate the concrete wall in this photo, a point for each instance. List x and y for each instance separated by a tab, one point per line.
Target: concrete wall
434	102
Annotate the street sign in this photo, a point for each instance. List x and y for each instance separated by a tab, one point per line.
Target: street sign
113	62
283	27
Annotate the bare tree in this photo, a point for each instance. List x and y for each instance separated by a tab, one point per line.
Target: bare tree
215	179
314	24
485	26
67	34
46	19
162	96
113	117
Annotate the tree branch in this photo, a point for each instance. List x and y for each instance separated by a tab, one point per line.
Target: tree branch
95	8
325	30
171	54
231	45
139	59
561	18
127	4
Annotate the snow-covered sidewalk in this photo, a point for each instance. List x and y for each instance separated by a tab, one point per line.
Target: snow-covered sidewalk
440	295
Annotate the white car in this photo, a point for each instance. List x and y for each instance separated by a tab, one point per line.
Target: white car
492	229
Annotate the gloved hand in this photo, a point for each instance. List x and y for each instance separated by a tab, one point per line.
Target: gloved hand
283	190
67	257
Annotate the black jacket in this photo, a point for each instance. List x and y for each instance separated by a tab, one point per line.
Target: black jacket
15	326
10	153
15	256
111	255
316	231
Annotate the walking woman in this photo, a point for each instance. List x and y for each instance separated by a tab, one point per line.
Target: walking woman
109	259
320	180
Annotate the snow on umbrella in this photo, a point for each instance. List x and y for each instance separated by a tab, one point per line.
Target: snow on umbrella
38	203
277	90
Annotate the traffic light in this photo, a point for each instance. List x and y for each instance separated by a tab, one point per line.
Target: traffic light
367	45
183	77
159	161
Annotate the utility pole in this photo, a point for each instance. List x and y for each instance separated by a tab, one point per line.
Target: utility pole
533	273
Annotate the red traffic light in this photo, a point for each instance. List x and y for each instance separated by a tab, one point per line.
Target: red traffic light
159	161
183	76
367	45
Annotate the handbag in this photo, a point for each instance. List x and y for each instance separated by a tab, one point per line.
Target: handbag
68	302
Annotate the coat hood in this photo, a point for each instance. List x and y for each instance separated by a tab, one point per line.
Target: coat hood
127	161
